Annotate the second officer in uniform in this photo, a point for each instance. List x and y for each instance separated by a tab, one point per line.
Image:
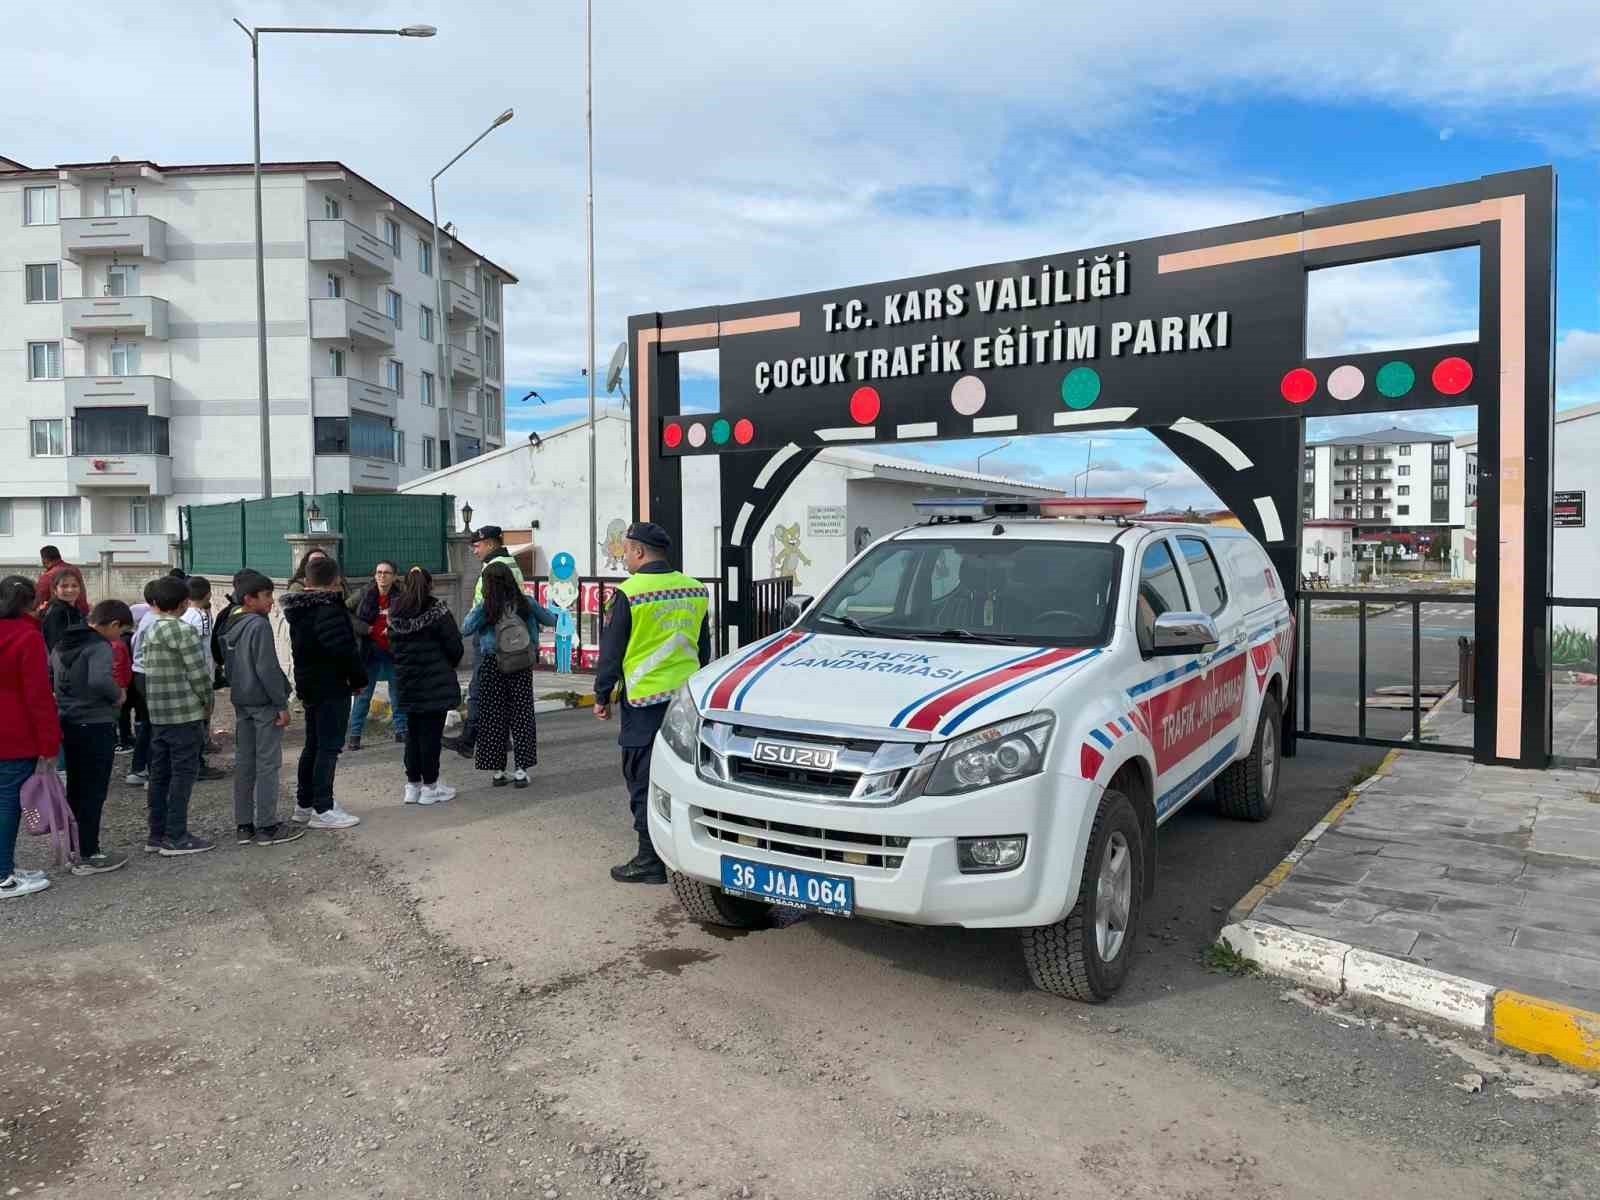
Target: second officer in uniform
655	638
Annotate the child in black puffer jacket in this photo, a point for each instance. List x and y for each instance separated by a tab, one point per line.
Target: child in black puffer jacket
426	644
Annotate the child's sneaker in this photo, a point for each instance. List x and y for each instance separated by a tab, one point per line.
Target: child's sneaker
520	779
99	864
244	834
22	885
152	844
413	793
498	779
302	814
186	845
138	779
355	743
436	793
334	818
277	835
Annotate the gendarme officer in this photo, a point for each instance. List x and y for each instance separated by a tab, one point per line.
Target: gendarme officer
655	638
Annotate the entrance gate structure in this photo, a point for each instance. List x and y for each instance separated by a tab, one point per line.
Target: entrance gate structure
1199	337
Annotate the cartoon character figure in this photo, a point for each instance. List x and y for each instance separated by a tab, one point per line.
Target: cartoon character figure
563	596
787	557
612	546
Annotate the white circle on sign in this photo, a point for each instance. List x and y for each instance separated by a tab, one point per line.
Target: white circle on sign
697	435
968	395
1346	382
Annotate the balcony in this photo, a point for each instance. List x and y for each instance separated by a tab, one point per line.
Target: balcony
344	397
141	316
125	472
346	321
352	473
350	247
126	237
461	307
464	363
465	423
153	393
125	547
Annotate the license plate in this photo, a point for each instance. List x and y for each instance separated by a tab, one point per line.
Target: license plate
788	887
787	754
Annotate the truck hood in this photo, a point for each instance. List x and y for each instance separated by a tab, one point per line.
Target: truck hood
934	689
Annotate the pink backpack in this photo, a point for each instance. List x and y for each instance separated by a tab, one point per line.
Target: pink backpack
45	811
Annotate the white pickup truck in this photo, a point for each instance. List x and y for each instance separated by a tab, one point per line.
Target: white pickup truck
983	721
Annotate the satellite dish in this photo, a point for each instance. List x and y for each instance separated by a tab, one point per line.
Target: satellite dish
619	359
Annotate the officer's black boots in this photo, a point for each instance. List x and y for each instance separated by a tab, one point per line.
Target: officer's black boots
641	868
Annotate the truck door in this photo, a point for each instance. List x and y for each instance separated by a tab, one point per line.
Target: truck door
1224	693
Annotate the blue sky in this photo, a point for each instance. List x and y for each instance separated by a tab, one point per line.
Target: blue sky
744	151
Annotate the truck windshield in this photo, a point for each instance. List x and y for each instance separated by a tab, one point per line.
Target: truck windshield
1040	593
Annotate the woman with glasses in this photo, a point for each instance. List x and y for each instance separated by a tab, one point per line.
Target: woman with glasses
372	610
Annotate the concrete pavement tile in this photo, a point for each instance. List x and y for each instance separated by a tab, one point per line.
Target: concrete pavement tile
1448	852
1557	942
1573	878
1568	841
1492	964
1479	875
1486	930
1384	939
1549	910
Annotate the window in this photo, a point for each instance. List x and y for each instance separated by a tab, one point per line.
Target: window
332	435
125	358
1441	452
1205	573
119	431
1403	509
336	363
1306	513
43	283
1311	476
391	234
330	208
49	438
1441	491
469	401
145	515
372	437
335	286
122	279
44	360
425	388
62	516
1403	469
472	279
1441	471
425	323
492	419
39	206
400	447
491	354
491	298
1404	489
424	256
1404	451
120	201
444	453
393	305
5	517
394	376
1160	591
427	453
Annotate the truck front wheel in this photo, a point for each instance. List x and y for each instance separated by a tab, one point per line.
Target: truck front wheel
1086	955
712	906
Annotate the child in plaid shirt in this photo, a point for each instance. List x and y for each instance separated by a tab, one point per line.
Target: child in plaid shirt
179	696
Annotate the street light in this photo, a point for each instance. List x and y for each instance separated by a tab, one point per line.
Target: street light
1081	474
466	518
441	332
408	31
993	450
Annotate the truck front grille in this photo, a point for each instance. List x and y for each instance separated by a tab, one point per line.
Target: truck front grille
804	841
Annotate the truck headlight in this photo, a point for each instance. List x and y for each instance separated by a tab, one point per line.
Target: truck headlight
1012	749
680	728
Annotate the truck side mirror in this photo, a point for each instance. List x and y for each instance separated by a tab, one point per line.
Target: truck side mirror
793	607
1183	633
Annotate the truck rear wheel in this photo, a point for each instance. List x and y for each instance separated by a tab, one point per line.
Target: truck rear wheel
1247	790
712	906
1086	955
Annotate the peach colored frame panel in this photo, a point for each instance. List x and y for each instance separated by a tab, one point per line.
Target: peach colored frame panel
1510	213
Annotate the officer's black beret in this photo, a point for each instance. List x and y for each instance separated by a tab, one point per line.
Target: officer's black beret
648	533
485	532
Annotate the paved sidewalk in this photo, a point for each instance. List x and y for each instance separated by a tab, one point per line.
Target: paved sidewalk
1484	872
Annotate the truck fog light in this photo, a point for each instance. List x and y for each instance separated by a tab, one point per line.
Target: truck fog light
976	855
662	800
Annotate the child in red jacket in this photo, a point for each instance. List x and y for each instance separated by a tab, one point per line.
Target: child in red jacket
30	731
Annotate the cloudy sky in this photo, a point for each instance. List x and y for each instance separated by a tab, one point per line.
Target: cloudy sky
747	150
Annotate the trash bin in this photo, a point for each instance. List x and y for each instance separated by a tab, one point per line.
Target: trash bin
1467	672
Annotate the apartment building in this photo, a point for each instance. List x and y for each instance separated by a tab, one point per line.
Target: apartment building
128	352
1389	479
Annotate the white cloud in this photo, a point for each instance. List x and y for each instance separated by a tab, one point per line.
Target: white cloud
1428	299
1578	359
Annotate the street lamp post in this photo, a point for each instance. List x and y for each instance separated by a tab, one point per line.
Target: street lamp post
441	320
993	450
588	130
254	34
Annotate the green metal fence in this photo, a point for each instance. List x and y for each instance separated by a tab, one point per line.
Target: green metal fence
220	539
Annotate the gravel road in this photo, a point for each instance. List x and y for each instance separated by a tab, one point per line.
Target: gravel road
458	1002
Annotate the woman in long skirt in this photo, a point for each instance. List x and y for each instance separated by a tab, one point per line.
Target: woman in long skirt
505	696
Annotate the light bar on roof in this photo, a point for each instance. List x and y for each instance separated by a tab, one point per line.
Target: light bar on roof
1082	507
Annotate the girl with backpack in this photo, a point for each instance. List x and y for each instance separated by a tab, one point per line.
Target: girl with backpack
506	623
427	649
30	730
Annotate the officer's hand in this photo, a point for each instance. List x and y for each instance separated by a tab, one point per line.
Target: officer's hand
602	711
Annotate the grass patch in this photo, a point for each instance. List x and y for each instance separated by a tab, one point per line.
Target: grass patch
1223	958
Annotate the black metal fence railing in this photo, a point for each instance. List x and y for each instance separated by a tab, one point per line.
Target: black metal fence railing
766	605
1362	601
1577	650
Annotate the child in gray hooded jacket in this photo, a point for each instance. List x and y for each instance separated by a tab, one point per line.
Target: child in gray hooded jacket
260	693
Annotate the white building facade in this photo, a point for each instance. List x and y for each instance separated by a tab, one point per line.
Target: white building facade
840	503
128	348
1390	480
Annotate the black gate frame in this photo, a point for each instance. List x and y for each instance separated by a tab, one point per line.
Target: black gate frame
1510	217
